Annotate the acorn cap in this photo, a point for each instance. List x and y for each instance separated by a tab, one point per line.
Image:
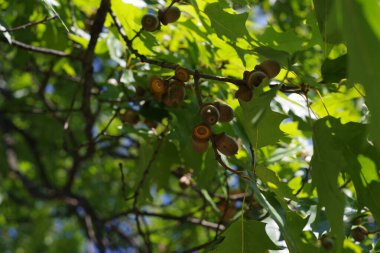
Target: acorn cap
182	74
201	133
157	85
210	114
150	22
176	93
359	233
270	67
130	117
226	145
255	78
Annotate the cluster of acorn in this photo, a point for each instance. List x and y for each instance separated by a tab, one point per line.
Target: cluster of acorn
165	16
172	91
359	233
212	113
267	69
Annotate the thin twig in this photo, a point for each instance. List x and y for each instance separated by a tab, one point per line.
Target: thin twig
139	187
24	26
226	207
197	88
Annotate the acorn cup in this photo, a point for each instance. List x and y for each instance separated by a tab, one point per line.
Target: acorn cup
255	78
210	114
182	74
200	137
226	145
226	113
175	94
130	117
157	85
150	22
359	233
201	133
169	15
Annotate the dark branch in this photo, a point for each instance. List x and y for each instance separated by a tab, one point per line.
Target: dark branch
40	50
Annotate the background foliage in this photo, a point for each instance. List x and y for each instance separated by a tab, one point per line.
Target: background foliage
77	176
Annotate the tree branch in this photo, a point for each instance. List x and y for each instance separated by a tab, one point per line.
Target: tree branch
40	50
24	26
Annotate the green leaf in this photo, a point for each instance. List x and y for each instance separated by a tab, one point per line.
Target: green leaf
226	24
329	26
270	178
363	41
327	162
282	41
278	55
334	70
259	121
246	236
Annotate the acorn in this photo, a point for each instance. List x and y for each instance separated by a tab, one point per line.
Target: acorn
200	146
150	22
169	15
226	113
175	94
255	78
210	114
201	133
157	85
359	233
246	75
130	117
226	145
182	74
327	242
270	67
244	93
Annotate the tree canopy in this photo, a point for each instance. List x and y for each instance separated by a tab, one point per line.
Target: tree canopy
189	126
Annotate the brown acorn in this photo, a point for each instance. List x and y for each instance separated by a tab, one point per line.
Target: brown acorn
359	233
130	117
246	75
175	94
327	242
270	67
225	111
226	145
200	146
182	74
255	78
150	22
169	15
157	85
210	114
201	133
244	93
